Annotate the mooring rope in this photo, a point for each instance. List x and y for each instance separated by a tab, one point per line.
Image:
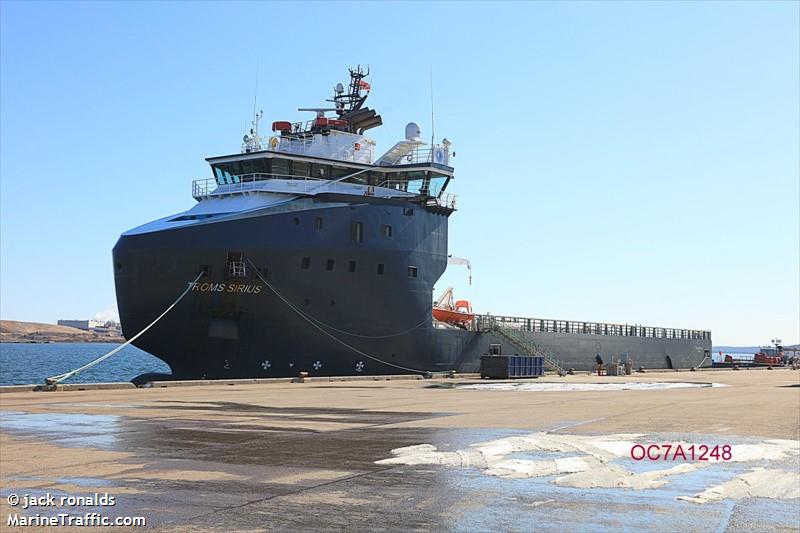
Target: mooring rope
61	377
313	323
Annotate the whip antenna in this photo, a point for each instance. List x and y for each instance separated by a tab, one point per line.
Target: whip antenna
432	122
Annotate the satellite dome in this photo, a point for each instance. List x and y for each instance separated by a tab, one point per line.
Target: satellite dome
413	133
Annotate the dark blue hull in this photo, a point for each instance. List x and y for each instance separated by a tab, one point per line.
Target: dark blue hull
311	297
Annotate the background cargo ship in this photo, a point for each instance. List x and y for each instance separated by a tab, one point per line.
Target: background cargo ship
314	255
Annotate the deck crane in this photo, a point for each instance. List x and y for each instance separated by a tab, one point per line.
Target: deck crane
454	312
461	261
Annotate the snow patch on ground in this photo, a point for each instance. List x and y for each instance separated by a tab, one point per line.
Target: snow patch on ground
595	463
758	483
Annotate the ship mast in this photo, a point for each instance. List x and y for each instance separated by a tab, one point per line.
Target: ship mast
252	141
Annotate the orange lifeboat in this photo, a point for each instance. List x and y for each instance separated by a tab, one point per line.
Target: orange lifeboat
458	313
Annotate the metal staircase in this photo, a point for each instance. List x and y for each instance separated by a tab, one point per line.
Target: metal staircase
398	152
517	338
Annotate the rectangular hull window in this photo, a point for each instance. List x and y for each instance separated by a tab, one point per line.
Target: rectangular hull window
305	264
357	232
412	272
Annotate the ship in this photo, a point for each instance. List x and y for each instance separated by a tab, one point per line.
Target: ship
306	251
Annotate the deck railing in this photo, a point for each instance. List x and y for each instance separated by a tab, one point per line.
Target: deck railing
592	328
203	188
235	184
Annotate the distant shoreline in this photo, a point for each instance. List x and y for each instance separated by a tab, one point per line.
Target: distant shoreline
94	339
17	332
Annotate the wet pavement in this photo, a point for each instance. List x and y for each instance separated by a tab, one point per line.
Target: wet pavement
308	458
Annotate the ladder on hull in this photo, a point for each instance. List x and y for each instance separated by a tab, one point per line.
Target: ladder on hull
517	338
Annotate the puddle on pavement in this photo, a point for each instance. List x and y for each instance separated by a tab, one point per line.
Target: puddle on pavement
91	430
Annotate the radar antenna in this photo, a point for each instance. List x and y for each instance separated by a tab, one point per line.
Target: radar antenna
252	141
349	103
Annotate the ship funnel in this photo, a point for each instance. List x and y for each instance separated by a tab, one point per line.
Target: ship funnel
413	133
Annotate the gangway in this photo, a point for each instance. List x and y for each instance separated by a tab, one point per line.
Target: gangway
517	338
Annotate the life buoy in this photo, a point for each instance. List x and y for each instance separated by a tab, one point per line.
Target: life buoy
273	142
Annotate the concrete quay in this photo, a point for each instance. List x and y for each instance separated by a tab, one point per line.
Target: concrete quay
410	454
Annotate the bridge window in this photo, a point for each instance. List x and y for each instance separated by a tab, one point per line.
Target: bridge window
338	172
280	168
320	171
437	184
416	183
301	168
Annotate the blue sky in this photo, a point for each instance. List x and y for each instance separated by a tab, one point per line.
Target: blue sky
626	162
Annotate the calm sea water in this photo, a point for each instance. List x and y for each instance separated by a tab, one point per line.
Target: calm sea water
21	364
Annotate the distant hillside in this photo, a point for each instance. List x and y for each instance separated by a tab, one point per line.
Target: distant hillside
15	331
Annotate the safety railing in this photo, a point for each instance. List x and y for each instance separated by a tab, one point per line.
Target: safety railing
306	145
591	328
231	184
236	184
437	154
446	200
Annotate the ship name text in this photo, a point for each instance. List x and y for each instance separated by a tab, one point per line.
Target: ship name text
240	288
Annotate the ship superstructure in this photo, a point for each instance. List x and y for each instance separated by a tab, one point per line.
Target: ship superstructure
316	254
